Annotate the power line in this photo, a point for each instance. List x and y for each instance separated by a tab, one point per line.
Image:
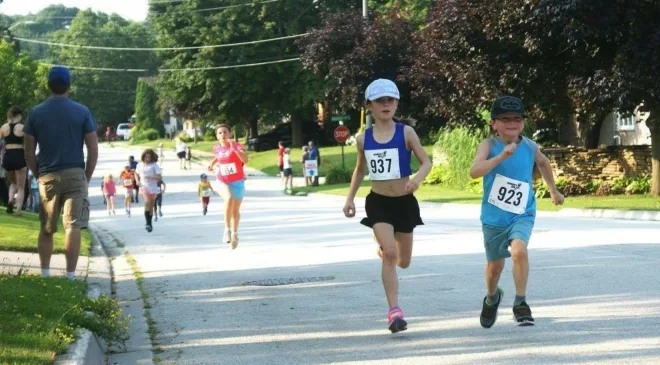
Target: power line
216	8
161	48
177	69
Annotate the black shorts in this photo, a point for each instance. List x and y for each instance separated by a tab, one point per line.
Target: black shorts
288	172
14	159
181	154
401	212
159	199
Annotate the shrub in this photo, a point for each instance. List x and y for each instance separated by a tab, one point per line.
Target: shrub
459	146
437	175
619	185
185	137
639	186
150	134
604	189
337	175
209	135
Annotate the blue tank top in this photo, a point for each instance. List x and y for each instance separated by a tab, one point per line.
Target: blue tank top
387	161
509	187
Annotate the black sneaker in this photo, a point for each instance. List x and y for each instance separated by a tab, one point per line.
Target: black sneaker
523	315
149	228
489	312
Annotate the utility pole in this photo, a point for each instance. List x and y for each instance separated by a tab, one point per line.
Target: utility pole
365	14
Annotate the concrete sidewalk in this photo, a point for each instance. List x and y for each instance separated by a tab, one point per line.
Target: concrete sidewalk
12	263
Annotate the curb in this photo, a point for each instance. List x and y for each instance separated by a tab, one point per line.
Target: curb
88	349
634	215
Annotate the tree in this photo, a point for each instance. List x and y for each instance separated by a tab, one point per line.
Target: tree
250	95
146	115
23	80
109	95
348	54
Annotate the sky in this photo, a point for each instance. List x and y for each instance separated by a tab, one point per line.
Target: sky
129	9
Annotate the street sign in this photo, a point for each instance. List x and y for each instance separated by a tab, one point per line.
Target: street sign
339	118
341	134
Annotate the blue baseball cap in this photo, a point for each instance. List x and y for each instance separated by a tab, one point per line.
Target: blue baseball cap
59	75
381	88
203	176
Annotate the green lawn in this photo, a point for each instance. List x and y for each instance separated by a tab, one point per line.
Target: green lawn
440	194
267	161
39	317
21	233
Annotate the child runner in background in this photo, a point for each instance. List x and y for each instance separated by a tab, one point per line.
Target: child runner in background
392	209
109	191
127	178
231	157
288	170
280	159
189	157
147	174
158	204
205	191
508	208
34	192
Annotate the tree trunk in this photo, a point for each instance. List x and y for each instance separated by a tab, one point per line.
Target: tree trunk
296	129
593	135
253	127
654	126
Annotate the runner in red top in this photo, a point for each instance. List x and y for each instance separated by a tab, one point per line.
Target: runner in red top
230	157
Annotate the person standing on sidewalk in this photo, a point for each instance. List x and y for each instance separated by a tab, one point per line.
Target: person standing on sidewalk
392	209
508	208
61	126
231	157
147	175
14	159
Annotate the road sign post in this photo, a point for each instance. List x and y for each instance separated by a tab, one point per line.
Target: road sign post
341	135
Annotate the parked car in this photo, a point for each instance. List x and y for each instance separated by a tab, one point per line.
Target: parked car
282	132
124	131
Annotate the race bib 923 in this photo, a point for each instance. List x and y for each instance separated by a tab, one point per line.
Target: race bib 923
509	194
383	164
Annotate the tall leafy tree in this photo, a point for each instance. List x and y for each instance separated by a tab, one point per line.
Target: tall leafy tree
238	95
23	80
110	95
146	114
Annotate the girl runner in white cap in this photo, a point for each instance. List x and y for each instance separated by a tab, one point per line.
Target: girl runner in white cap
392	209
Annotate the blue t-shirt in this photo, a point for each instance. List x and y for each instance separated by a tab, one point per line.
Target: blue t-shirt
60	125
509	188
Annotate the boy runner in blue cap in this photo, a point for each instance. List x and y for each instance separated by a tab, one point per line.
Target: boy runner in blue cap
508	209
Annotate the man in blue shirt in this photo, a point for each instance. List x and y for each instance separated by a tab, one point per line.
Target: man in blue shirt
314	154
60	126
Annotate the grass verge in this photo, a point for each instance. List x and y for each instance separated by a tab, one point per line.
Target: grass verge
151	324
440	194
39	318
20	234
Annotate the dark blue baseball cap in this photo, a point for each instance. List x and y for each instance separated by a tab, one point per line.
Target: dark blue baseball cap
59	75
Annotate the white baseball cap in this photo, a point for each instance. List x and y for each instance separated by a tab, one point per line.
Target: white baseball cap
381	88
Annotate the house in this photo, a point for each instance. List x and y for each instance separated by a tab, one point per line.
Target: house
172	123
620	129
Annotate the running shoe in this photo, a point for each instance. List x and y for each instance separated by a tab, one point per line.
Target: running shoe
227	237
234	241
523	314
489	311
160	213
396	321
149	228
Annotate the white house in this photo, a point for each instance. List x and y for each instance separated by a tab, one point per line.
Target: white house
625	130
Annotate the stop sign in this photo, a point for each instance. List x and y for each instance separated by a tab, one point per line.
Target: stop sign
342	133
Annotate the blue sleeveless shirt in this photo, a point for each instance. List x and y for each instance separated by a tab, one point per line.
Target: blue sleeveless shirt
390	160
509	187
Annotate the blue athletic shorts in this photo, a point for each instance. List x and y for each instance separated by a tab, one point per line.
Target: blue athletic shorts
237	189
498	239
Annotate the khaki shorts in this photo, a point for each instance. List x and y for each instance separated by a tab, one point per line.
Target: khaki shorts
64	192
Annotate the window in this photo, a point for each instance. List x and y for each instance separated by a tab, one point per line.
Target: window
625	122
